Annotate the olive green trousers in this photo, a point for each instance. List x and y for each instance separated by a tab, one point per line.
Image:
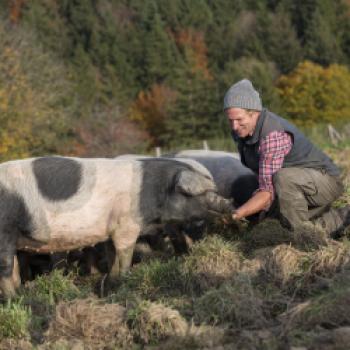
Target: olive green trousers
305	195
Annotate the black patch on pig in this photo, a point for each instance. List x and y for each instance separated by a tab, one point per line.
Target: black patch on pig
57	178
157	181
14	220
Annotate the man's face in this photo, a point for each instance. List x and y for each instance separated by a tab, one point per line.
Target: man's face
242	122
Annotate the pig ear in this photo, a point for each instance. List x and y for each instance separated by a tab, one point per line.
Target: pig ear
191	183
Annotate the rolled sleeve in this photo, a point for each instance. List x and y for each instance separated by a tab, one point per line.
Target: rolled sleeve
272	151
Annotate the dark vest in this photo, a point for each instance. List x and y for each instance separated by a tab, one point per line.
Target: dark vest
303	153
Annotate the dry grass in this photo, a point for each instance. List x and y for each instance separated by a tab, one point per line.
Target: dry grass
151	322
155	323
18	344
92	321
309	237
330	259
201	337
211	262
282	264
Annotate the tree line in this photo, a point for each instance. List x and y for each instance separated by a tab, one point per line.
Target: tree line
102	77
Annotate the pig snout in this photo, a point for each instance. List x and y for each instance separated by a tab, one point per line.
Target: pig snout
219	205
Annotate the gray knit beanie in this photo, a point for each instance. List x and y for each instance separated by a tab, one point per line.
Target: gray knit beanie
242	95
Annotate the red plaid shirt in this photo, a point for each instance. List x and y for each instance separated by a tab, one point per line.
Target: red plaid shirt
272	150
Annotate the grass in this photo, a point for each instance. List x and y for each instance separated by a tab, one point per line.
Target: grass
95	323
238	288
235	302
52	288
330	309
15	319
151	280
212	261
152	322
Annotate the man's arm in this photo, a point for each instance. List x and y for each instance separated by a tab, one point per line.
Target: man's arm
259	201
273	148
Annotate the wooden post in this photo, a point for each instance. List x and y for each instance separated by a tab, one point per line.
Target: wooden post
158	152
334	135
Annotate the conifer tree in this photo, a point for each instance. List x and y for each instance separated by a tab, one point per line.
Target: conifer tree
279	39
160	53
194	115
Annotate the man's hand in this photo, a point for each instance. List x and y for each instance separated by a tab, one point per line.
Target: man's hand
255	204
235	215
227	219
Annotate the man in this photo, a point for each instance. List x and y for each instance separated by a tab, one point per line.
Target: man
303	180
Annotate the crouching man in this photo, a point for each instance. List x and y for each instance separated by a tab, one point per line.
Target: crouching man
303	180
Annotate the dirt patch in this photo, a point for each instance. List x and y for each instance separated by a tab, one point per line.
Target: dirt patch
268	233
235	302
330	309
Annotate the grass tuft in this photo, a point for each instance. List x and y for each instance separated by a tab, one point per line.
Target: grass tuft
235	302
152	322
151	279
95	323
211	262
14	319
52	288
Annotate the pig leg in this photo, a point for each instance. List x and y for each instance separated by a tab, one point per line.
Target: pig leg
16	277
124	241
7	254
26	272
7	284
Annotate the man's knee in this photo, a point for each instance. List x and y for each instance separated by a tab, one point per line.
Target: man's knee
288	190
283	179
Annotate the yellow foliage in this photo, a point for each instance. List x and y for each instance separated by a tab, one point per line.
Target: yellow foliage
32	88
150	108
313	94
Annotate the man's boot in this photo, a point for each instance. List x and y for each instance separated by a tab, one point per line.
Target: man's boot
335	221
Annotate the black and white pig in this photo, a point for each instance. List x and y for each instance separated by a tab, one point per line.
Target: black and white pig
233	180
54	204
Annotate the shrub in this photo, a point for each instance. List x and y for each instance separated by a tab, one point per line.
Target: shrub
312	94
